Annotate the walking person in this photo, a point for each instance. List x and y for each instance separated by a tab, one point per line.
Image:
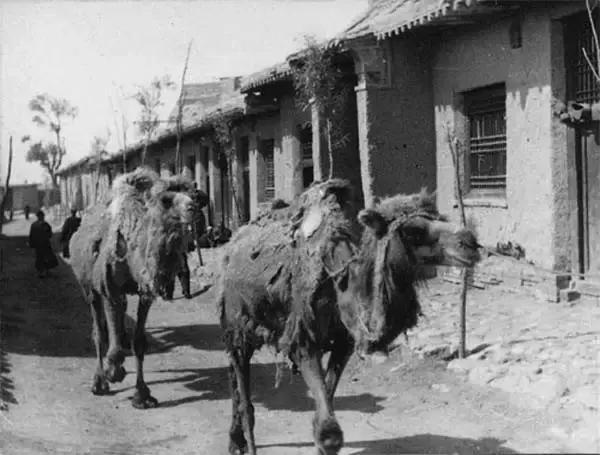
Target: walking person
40	236
69	227
27	211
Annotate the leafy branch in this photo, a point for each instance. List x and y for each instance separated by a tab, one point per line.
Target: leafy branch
319	82
224	133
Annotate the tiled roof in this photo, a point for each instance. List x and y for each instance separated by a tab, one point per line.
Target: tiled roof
279	72
391	17
86	161
195	117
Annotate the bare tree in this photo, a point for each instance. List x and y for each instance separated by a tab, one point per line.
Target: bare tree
7	182
121	125
320	82
179	118
51	113
150	100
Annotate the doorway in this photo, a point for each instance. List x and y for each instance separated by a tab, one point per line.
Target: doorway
584	143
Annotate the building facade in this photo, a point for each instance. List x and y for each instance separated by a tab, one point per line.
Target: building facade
486	77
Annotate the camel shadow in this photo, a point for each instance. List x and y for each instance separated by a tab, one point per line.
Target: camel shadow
291	394
207	337
6	384
46	317
421	443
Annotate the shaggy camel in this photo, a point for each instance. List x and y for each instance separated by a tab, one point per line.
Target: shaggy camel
131	245
298	279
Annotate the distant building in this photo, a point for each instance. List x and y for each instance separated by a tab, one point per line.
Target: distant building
24	194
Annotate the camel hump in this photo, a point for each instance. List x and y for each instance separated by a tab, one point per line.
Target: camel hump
341	189
175	183
140	180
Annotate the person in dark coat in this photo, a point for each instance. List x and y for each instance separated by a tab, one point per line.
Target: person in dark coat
27	211
69	227
199	221
40	236
197	229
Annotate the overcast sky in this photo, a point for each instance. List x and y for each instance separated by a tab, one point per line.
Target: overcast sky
92	52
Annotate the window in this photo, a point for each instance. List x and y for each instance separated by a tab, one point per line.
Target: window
582	86
267	151
486	116
191	166
307	160
245	165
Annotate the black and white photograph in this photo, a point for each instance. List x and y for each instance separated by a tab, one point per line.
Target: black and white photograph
288	227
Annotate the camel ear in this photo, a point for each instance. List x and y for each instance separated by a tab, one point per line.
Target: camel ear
341	189
121	246
374	220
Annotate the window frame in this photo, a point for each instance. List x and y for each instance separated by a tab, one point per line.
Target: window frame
268	145
473	104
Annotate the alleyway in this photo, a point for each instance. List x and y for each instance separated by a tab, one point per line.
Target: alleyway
406	404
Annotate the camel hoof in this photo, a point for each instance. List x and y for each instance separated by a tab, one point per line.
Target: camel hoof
237	447
100	386
188	296
330	438
235	450
144	402
115	373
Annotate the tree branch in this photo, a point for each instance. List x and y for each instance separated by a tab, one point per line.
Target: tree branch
179	126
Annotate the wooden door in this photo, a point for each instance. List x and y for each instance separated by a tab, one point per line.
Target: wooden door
588	173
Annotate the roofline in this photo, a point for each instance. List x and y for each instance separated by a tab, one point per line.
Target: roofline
204	124
438	12
275	75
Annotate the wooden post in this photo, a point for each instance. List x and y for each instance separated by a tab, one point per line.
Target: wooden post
7	183
455	151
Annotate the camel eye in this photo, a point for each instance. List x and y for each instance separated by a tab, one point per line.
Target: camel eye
167	201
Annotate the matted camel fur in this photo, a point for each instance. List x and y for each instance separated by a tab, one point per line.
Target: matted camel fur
292	250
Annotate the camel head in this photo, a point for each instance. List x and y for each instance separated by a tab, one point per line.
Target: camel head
401	235
414	224
170	214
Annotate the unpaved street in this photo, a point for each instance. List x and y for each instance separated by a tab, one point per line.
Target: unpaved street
403	405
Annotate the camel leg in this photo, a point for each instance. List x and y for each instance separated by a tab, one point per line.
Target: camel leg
170	290
100	385
142	398
184	278
327	433
244	413
114	311
343	348
237	441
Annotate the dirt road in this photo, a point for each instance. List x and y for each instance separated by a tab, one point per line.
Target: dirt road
47	362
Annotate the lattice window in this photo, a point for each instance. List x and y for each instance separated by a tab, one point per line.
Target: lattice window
486	115
268	149
583	86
